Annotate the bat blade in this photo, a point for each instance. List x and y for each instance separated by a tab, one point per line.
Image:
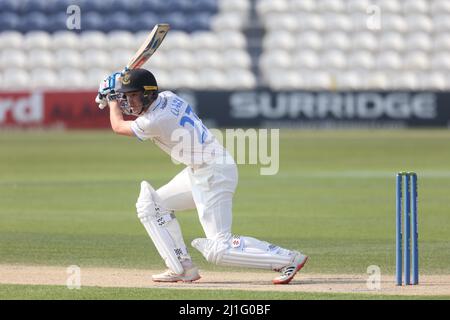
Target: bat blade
150	45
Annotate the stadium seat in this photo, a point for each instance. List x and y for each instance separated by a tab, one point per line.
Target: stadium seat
441	42
228	21
208	59
440	6
416	60
65	40
311	21
184	79
210	6
198	21
390	5
234	5
309	40
391	41
41	78
163	78
282	21
116	21
121	40
433	81
43	6
33	21
37	40
337	40
68	58
144	21
419	22
331	5
204	40
60	6
336	21
129	7
39	58
358	5
211	79
158	61
364	40
58	22
93	40
278	59
416	6
119	58
361	23
71	78
11	40
176	40
389	60
361	60
302	5
305	59
264	7
94	76
318	80
230	39
440	61
13	58
441	22
10	5
236	58
333	59
239	79
393	22
284	79
180	59
177	21
9	21
99	6
15	79
281	39
93	21
376	80
403	80
418	41
350	80
93	58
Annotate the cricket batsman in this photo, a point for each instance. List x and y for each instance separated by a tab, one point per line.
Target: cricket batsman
207	183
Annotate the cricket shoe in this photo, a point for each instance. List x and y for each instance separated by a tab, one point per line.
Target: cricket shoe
288	272
190	274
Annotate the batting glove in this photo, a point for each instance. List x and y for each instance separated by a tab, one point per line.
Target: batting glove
107	87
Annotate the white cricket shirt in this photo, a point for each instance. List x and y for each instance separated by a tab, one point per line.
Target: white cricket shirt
170	122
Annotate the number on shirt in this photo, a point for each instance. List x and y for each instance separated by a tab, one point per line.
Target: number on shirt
191	118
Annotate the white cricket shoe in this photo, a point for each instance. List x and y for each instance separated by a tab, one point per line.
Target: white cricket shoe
190	274
288	272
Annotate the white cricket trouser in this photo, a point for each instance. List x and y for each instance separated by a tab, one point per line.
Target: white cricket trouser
210	190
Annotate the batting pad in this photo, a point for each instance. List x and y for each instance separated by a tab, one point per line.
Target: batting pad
244	252
162	227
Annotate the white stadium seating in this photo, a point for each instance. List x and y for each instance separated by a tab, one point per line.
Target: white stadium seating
289	44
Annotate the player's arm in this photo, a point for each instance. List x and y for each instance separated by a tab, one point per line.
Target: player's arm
118	124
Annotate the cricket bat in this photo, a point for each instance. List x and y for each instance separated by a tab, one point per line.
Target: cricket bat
149	46
147	49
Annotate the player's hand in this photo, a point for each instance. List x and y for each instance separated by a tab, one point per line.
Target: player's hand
106	88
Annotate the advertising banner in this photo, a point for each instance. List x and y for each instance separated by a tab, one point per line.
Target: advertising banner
258	108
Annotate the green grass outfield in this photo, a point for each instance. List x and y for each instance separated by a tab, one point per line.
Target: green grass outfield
68	198
37	292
